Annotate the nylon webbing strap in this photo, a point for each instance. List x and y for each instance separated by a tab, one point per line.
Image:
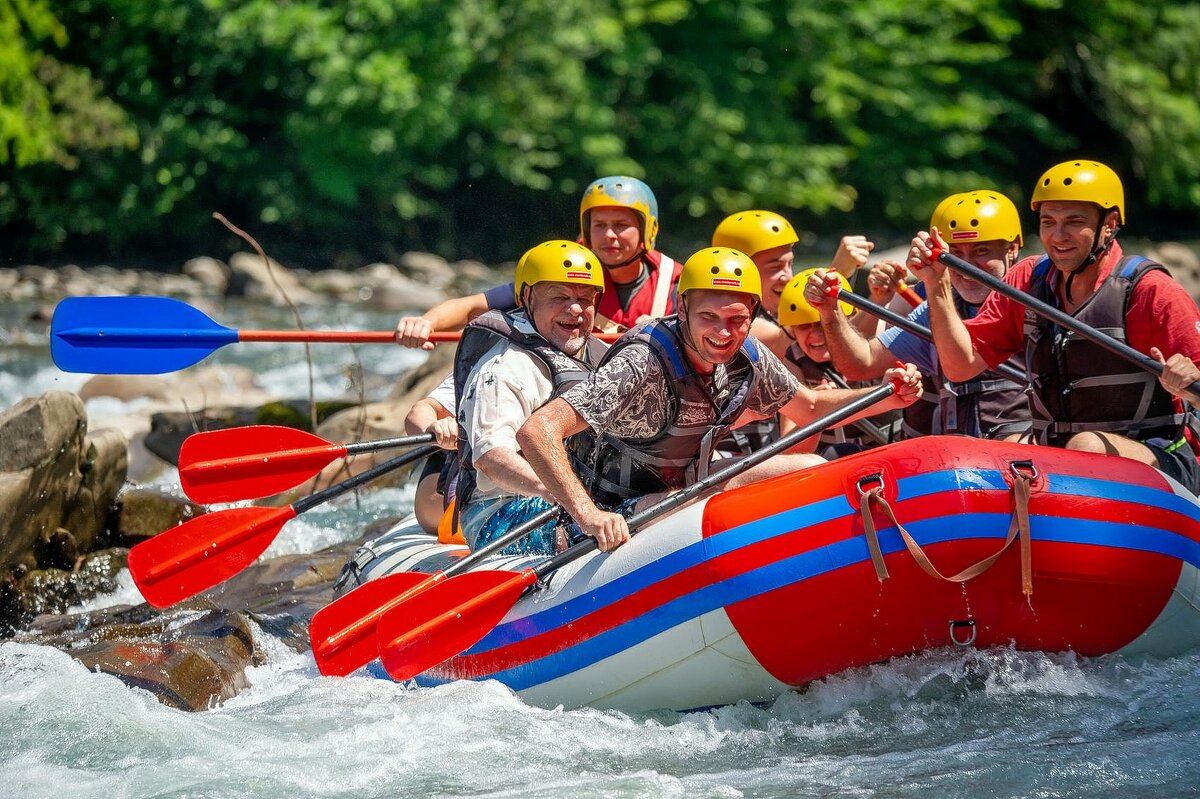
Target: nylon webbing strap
1017	528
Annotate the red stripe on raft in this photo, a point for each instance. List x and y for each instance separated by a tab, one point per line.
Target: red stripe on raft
950	557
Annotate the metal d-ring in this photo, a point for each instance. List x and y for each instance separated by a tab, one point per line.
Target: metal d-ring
876	478
1030	470
969	624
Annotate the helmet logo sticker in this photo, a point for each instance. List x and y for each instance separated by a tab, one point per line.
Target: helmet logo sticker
964	235
727	281
578	275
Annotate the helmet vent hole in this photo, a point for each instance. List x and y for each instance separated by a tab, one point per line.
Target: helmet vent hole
974	223
738	271
1066	181
774	228
1046	182
716	270
953	224
567	263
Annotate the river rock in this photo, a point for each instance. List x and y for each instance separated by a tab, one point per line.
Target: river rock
142	513
57	482
430	269
192	658
209	273
192	390
390	290
252	278
29	593
1183	262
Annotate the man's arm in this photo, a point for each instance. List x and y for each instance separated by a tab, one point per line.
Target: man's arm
956	352
448	315
807	404
506	468
855	357
541	441
427	415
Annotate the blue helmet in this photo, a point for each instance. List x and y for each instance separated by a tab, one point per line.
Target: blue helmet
619	191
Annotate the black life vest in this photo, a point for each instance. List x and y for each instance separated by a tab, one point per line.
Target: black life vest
1078	386
987	406
614	469
515	327
813	373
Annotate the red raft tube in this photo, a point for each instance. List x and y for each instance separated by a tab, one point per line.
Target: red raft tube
936	542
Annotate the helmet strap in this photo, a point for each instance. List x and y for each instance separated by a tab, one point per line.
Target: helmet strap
637	256
1099	249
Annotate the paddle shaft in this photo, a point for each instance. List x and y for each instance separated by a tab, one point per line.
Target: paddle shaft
872	430
311	501
337	336
920	331
1060	318
685	495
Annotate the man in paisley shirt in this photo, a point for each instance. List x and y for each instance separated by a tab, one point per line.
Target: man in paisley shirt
650	416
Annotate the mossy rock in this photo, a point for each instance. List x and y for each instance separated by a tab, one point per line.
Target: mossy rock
296	414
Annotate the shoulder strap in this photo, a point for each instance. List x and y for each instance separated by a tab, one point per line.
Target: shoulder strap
662	290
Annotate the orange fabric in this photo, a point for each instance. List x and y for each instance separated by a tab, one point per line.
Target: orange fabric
448	532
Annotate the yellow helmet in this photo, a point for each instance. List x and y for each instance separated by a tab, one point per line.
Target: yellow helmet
794	309
1083	181
720	269
558	261
619	191
977	216
754	231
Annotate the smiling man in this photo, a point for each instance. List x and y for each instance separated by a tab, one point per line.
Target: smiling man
510	363
1082	397
648	419
983	228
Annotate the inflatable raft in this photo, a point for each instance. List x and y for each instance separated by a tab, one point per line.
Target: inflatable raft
753	591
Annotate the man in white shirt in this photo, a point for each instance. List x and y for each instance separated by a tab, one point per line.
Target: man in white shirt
508	365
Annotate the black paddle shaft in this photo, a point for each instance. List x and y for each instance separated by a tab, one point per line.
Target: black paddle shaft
313	500
685	495
1065	320
390	443
920	331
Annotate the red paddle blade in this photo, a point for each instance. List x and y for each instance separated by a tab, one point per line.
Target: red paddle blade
185	560
437	624
251	462
343	632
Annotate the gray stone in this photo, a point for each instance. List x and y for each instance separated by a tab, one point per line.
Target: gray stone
145	512
39	429
210	273
251	277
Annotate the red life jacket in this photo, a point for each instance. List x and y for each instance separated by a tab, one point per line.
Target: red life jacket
654	298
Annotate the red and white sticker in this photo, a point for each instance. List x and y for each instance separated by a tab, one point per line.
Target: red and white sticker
579	275
964	235
727	281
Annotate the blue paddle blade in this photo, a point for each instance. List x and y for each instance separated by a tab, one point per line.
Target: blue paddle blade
132	335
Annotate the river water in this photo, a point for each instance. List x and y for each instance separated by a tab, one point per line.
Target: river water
947	723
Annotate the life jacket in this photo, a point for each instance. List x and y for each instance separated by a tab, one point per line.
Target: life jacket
755	435
1078	386
654	298
813	373
614	469
987	406
515	327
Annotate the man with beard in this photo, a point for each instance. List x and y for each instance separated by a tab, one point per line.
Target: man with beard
648	419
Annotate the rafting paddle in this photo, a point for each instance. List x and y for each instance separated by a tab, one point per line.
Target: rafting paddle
155	335
447	618
185	560
1060	318
343	633
262	460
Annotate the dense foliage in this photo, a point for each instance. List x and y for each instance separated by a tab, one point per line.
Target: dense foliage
346	128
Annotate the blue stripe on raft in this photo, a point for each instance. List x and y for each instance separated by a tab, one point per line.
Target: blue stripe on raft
826	559
807	516
724	542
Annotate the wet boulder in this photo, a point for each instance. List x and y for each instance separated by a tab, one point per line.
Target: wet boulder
267	280
58	485
142	513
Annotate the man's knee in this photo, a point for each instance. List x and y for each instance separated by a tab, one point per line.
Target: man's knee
1091	442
